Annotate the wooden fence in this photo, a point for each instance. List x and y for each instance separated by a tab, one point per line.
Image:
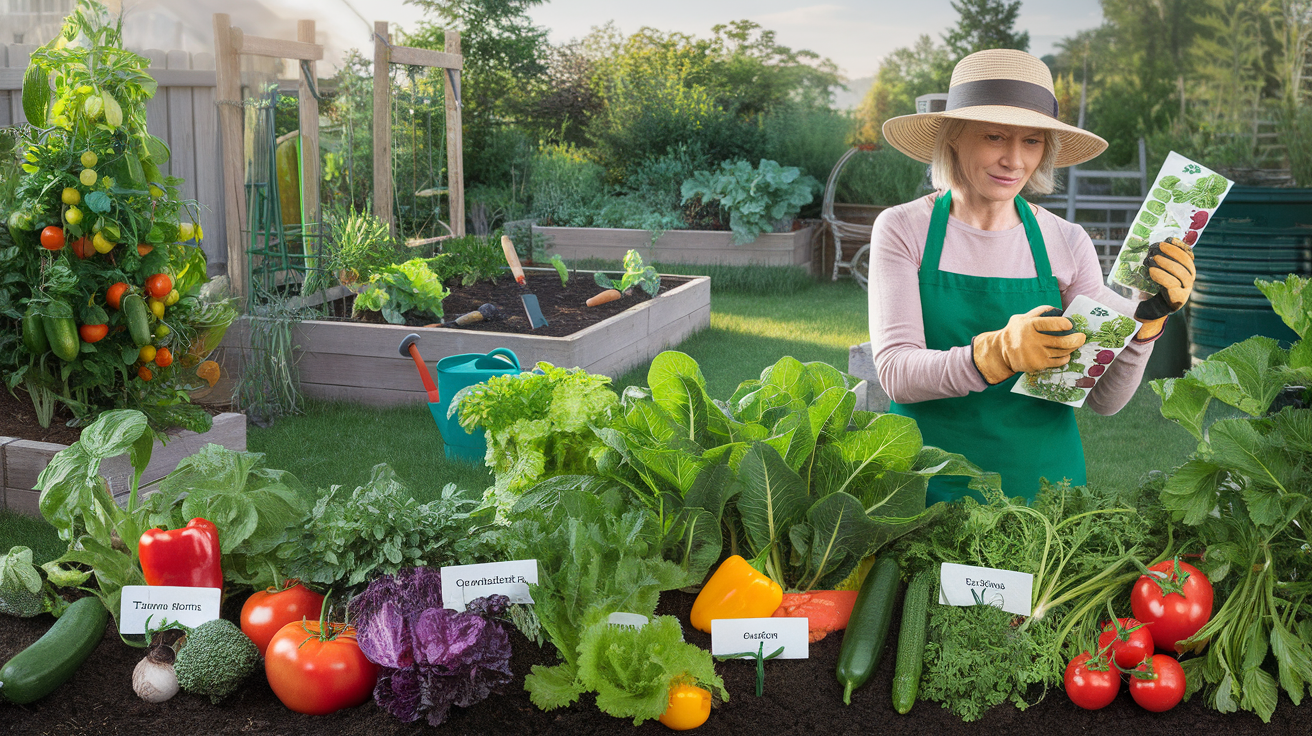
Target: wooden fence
182	114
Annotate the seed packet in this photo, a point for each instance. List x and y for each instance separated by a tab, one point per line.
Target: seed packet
1180	204
1107	332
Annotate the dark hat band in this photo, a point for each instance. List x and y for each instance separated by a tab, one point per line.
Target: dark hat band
1009	92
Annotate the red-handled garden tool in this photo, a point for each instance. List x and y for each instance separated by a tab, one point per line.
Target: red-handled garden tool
410	350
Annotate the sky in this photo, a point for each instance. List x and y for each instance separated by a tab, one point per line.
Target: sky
855	35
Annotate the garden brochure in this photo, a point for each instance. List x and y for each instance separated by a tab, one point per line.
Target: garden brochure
1107	331
1180	204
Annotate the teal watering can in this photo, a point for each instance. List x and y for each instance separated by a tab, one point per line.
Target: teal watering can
455	372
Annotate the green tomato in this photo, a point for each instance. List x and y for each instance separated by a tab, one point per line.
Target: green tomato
87	177
20	221
73	216
162	332
89	159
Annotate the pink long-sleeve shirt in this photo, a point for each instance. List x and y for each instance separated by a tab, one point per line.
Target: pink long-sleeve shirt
908	371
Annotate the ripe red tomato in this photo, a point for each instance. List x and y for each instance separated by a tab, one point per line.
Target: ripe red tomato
92	333
82	248
1129	648
159	285
52	238
318	676
114	294
267	611
1158	684
1172	616
1091	683
163	357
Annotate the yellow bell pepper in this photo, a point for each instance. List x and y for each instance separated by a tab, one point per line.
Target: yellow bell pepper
736	590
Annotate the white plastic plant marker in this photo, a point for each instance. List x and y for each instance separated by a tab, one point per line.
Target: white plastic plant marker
745	636
1180	204
967	585
463	583
1108	333
627	620
184	605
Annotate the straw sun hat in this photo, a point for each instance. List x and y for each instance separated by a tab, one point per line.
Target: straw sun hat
1002	86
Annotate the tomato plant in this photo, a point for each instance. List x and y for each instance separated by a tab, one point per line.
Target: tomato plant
52	238
1092	683
317	668
267	611
1158	683
1128	640
1174	601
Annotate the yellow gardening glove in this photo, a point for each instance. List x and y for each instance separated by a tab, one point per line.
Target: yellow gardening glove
1171	266
1022	346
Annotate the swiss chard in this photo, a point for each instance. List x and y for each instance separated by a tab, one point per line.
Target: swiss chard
1244	493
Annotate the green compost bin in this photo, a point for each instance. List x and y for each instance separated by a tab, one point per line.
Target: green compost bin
1226	306
455	372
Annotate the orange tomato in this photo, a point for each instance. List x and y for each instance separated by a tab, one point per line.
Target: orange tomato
159	285
114	295
92	333
163	357
144	373
82	248
52	238
144	250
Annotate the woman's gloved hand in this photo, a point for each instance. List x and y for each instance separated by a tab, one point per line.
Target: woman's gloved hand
1171	265
1023	347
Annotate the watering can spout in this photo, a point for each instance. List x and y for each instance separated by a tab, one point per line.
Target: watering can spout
409	349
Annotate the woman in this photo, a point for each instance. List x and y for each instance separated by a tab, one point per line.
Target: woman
959	279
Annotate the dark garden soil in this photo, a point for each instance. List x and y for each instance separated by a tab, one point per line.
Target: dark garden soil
801	697
18	419
565	307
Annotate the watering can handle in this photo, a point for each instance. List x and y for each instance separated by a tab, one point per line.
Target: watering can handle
507	353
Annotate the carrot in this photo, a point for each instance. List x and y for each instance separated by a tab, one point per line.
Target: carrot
608	295
825	610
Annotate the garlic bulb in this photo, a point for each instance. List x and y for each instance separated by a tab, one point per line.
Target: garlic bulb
153	680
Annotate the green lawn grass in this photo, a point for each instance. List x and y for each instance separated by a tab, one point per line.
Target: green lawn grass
337	443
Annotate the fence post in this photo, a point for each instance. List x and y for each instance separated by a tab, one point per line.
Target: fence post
455	166
383	125
309	125
1072	184
1143	168
228	76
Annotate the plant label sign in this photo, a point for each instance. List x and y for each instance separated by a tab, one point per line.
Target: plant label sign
187	606
627	620
463	583
1107	333
967	585
1181	202
745	636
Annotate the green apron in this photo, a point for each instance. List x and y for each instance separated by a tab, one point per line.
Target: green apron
1022	438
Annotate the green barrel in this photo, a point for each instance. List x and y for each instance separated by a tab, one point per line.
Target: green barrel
1226	306
455	372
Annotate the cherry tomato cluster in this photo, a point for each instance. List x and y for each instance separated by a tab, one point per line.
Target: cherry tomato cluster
1171	604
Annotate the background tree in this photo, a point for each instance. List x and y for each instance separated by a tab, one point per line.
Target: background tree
985	24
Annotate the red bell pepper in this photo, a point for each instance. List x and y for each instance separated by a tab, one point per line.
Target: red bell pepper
188	557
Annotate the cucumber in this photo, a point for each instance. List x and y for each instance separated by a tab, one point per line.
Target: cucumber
34	334
911	641
863	642
134	311
41	668
62	334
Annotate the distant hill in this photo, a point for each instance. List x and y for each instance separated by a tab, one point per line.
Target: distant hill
856	91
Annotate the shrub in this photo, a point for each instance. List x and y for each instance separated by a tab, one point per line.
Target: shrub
811	140
565	187
757	198
882	177
1295	132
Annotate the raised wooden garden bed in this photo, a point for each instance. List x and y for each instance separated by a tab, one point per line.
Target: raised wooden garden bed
682	246
21	461
355	361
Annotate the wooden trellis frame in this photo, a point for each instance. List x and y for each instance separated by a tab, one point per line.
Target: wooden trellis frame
229	44
384	55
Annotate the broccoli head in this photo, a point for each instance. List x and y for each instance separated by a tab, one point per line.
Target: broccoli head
215	659
23	592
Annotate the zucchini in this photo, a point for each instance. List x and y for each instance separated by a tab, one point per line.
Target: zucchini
863	642
911	641
34	334
134	311
62	334
41	668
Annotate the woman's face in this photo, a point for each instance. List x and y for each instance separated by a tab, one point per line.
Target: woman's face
995	161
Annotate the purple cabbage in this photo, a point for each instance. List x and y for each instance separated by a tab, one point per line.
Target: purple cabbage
431	657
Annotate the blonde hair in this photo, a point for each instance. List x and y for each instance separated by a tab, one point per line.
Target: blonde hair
943	166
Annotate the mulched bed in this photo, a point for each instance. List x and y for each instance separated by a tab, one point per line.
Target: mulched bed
564	307
801	696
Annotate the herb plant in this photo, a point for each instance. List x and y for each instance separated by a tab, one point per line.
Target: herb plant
1244	493
360	244
756	197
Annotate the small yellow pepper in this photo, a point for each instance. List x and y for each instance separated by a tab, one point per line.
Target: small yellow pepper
689	707
736	590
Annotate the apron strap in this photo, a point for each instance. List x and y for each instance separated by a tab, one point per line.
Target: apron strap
938	229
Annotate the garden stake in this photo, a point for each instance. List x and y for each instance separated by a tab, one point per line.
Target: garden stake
410	350
760	656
